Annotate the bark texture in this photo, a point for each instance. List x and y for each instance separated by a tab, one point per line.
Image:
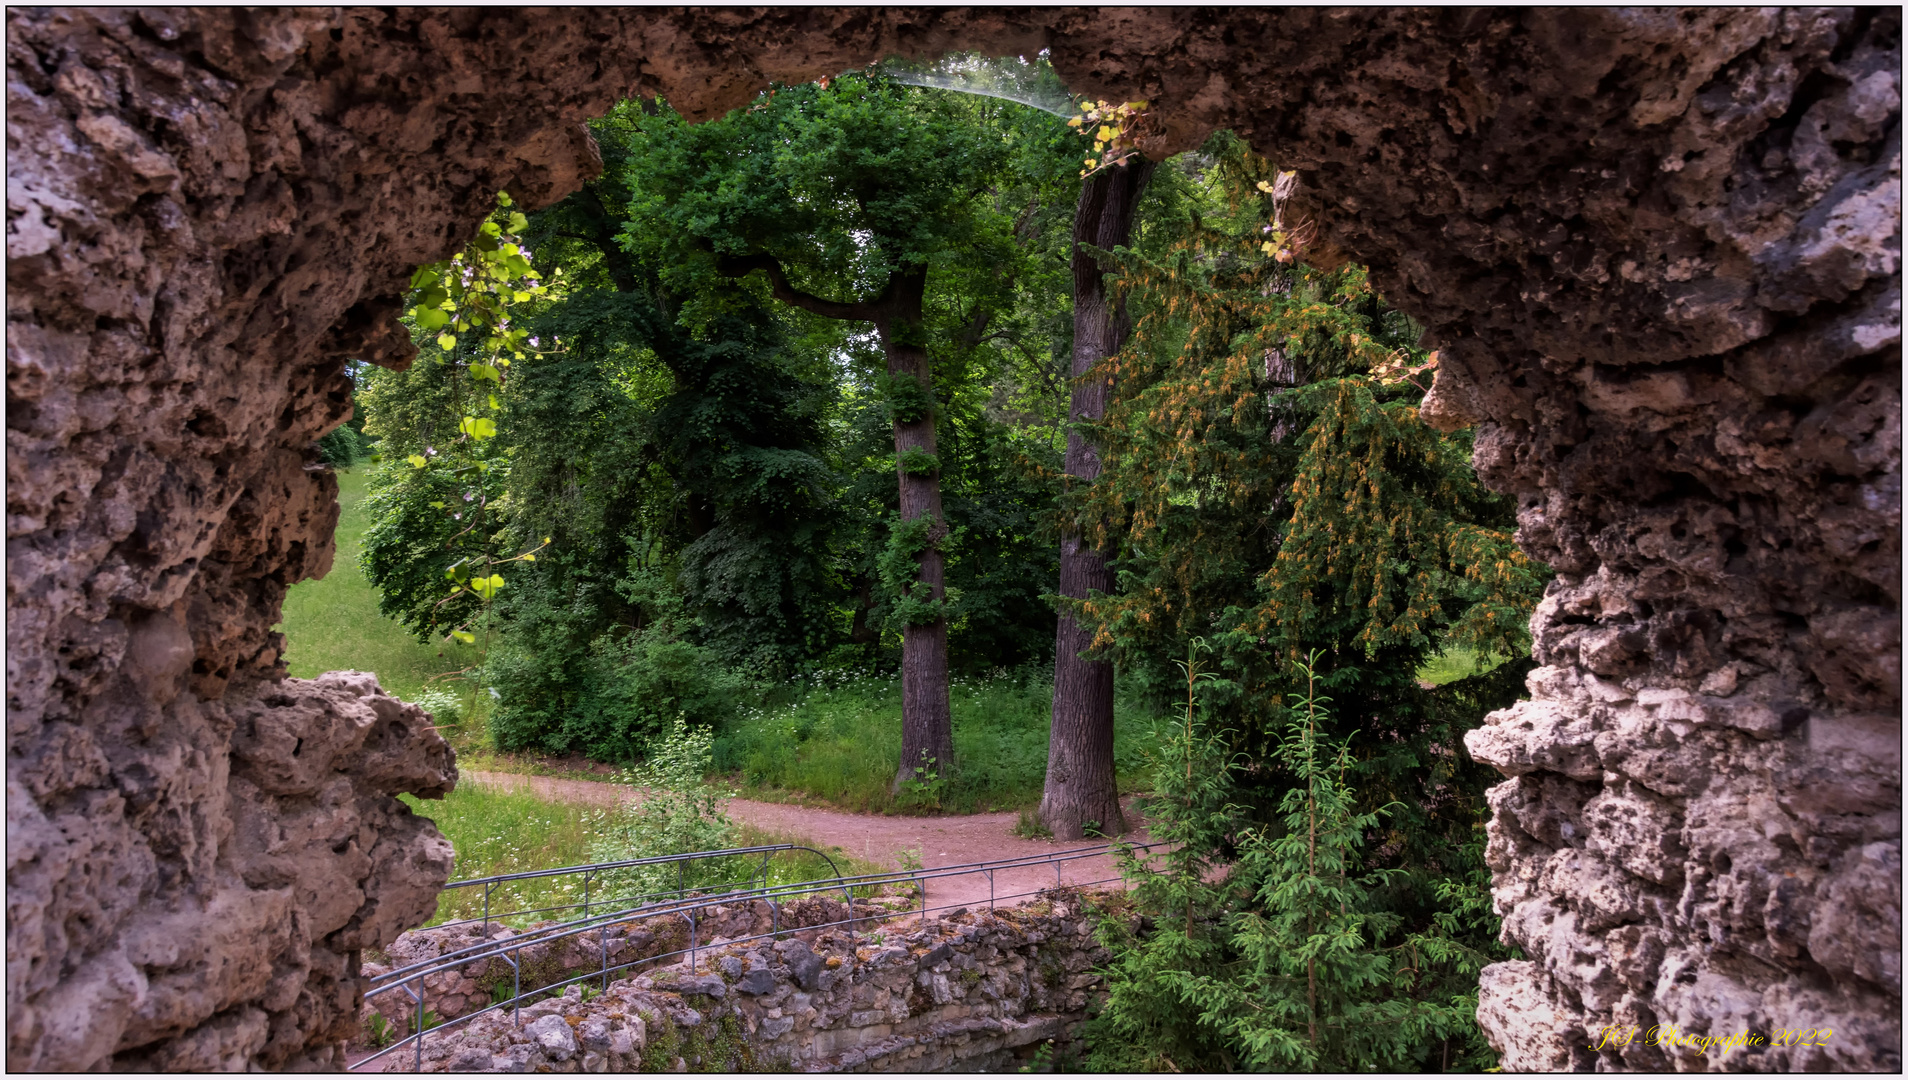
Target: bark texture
1081	785
1659	251
927	717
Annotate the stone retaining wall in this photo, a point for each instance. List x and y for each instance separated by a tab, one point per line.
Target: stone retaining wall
460	991
963	992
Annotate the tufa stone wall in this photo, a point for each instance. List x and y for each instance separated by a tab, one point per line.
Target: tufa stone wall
226	930
958	994
1658	250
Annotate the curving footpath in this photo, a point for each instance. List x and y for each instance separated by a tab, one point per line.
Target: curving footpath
949	840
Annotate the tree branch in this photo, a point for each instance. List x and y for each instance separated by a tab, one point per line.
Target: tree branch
736	266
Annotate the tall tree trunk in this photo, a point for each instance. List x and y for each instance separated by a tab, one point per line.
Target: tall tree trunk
1081	786
927	722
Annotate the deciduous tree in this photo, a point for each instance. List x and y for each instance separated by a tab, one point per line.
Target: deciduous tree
1081	789
844	199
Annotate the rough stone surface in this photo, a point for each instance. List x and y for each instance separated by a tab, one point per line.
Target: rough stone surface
452	990
959	994
1659	252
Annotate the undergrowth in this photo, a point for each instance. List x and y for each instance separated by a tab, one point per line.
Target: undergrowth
837	741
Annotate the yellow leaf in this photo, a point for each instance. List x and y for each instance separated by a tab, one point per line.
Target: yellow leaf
447	342
1106	133
417	460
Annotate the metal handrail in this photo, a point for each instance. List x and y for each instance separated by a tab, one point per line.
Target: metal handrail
650	861
705	896
589	870
688	907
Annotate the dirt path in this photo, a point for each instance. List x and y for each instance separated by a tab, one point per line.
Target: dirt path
942	841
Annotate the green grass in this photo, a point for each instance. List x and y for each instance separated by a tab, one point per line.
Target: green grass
333	624
1454	664
838	744
507	832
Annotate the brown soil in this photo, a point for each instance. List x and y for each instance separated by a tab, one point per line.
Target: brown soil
946	841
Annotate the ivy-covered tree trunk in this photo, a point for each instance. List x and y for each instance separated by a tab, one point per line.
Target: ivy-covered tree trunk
927	724
1081	786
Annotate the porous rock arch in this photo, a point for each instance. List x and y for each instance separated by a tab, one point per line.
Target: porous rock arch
1658	250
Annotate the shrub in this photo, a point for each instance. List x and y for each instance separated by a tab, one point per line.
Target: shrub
445	705
679	813
344	447
609	700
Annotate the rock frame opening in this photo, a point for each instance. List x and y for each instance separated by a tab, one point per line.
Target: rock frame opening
1658	250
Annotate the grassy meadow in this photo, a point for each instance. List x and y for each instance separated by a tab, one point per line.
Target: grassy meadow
837	744
333	624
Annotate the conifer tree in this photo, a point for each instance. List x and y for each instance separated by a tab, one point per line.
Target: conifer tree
1268	487
1292	960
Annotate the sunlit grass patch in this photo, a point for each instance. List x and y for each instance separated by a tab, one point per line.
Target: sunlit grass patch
507	832
839	744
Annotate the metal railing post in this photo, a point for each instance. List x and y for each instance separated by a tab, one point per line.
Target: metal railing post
516	986
417	1010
